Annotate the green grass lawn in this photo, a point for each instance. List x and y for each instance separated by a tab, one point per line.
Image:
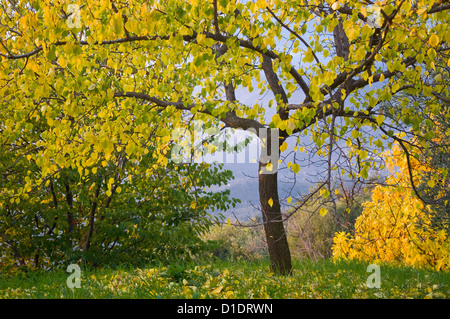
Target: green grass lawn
321	279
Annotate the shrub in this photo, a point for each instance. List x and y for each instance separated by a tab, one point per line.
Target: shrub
110	217
310	234
395	226
232	242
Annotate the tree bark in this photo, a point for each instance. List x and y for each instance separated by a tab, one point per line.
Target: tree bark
69	199
278	248
86	242
341	41
70	224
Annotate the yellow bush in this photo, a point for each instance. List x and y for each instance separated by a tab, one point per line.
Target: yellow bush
395	226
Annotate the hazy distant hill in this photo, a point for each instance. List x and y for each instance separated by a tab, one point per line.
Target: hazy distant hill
245	187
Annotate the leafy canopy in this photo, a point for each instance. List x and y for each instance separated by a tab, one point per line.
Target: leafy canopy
84	81
62	62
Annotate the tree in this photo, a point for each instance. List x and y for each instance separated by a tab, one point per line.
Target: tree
395	225
327	64
111	207
310	232
430	185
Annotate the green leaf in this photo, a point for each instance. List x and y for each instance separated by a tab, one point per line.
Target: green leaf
355	134
198	60
431	53
365	173
50	55
380	119
309	57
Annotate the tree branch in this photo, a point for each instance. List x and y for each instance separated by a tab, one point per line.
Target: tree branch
230	119
296	35
276	88
216	18
439	8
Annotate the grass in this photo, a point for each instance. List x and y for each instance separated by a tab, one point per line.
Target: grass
225	279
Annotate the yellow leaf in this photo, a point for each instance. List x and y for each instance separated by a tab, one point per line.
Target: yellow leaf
186	31
336	6
433	40
283	146
295	168
193	205
217	290
289	200
262	4
130	25
117	23
438	78
323	211
62	61
270	201
309	56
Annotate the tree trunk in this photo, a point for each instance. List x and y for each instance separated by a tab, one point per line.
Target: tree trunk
86	241
280	256
341	41
69	200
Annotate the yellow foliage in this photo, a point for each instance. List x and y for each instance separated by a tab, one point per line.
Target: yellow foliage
394	226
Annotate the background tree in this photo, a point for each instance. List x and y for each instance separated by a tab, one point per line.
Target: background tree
327	66
431	185
311	232
114	206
